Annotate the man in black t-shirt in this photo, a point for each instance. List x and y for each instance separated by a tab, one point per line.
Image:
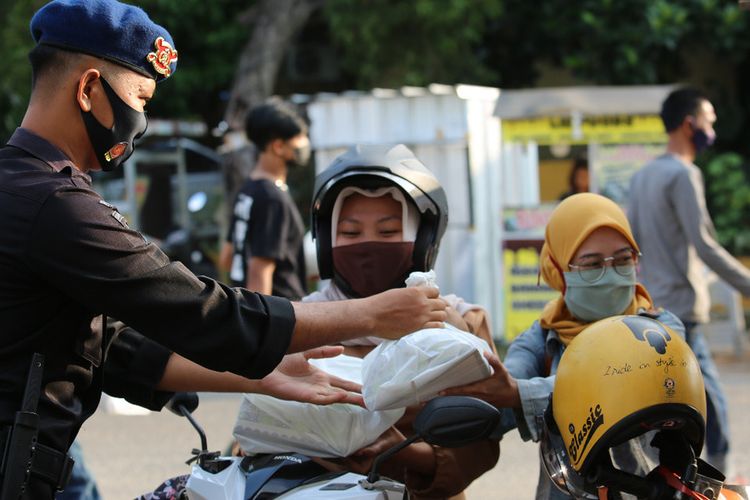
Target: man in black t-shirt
264	250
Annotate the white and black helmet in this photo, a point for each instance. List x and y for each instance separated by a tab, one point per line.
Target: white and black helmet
372	167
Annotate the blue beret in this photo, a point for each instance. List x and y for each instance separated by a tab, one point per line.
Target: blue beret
108	29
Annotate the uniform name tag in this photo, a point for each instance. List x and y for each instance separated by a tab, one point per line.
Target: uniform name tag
120	218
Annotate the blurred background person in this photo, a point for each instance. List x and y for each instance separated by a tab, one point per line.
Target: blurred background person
264	248
578	181
669	217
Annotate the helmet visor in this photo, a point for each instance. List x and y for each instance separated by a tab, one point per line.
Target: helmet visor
557	466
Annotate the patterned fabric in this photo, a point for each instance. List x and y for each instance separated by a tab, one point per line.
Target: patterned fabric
171	489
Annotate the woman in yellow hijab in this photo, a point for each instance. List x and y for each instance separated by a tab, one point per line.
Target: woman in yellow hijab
573	261
590	257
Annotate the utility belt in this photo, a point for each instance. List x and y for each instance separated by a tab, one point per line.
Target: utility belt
23	458
47	464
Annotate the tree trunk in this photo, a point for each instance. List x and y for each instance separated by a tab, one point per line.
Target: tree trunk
274	24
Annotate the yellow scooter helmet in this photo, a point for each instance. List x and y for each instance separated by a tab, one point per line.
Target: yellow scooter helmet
619	378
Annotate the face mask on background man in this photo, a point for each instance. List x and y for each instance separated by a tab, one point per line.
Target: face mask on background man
301	158
701	140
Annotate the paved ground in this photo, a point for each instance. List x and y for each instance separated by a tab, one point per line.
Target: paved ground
130	454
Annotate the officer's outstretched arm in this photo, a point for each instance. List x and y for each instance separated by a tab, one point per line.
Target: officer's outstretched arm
294	379
391	314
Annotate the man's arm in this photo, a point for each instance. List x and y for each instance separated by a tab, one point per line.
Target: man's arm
225	256
632	211
112	269
294	379
390	314
260	275
265	240
689	202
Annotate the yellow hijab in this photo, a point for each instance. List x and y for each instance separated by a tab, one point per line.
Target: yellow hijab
571	223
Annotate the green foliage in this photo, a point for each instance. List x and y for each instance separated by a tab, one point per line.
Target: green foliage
15	78
394	43
511	43
728	192
634	42
501	42
208	37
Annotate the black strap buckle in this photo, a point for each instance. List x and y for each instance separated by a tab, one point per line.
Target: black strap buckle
49	465
52	466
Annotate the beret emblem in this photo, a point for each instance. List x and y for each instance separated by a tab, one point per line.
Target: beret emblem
163	56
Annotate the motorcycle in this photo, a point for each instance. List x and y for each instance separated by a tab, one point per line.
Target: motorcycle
450	421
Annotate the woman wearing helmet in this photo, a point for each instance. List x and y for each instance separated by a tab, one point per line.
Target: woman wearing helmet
361	263
378	214
590	257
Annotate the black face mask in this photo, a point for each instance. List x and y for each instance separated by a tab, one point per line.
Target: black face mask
701	140
372	267
114	146
301	157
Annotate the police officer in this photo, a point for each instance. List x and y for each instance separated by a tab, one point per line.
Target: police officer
68	258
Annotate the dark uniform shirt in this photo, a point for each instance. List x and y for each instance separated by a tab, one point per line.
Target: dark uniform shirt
66	258
266	223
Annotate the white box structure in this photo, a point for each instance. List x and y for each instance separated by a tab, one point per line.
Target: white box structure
453	131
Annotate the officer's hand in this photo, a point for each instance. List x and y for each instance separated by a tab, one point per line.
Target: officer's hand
395	313
297	380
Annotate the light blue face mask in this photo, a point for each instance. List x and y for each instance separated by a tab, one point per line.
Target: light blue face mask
609	296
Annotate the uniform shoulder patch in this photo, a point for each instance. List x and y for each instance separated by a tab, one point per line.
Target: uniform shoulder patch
116	214
120	218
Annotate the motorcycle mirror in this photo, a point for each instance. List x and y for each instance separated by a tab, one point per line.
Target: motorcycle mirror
188	400
184	404
454	421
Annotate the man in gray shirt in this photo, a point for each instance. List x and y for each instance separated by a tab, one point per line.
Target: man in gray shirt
670	222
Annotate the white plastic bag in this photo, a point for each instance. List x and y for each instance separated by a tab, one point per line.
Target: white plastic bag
269	425
414	368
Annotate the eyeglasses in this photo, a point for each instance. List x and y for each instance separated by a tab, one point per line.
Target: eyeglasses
592	268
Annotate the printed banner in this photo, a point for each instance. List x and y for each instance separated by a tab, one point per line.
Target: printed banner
604	129
524	298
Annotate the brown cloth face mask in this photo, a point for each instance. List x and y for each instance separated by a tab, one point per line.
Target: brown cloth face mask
373	266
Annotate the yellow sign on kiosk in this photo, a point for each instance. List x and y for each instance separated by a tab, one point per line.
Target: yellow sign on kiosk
603	129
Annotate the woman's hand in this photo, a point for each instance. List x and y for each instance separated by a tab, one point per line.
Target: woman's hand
499	389
456	319
361	460
295	379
